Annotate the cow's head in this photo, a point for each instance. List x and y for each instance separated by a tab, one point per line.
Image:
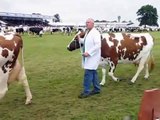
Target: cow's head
74	44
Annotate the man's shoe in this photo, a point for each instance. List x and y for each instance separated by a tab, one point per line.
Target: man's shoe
83	95
94	92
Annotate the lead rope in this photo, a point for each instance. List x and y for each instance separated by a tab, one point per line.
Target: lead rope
81	51
80	45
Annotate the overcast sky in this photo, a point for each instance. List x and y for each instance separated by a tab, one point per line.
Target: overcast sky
80	10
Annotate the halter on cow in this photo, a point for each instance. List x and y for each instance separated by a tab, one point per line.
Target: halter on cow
11	64
123	48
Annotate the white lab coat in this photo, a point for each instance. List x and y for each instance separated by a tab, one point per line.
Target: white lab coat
92	44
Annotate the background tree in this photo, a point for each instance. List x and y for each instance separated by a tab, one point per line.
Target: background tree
148	15
57	18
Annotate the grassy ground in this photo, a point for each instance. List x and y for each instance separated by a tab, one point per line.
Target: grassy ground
55	78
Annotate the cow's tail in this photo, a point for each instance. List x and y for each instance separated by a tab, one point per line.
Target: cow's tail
21	62
21	57
151	63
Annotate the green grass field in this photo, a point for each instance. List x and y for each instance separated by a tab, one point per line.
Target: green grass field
55	77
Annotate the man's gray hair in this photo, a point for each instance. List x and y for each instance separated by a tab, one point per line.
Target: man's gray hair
91	20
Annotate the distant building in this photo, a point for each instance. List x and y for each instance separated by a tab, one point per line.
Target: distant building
113	24
33	19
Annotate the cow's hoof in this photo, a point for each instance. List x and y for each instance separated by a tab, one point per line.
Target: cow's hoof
101	84
116	80
146	78
28	102
130	83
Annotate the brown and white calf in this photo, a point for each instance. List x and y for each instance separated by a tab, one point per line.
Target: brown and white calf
11	64
117	48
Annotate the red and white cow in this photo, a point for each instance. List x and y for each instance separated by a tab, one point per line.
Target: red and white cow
11	64
123	48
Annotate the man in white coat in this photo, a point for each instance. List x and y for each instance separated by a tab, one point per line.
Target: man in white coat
90	59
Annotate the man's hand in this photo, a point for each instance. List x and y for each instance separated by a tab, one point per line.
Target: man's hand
78	37
85	54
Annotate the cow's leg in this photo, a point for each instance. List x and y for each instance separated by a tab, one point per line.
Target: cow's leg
146	76
111	71
3	83
103	64
148	63
140	68
103	76
23	78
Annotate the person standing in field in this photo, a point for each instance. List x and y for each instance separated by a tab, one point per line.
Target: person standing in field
90	59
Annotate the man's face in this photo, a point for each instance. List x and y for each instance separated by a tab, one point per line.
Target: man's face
89	24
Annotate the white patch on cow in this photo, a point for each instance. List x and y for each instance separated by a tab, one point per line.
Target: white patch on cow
15	43
118	36
3	59
135	55
3	83
124	50
103	62
106	36
140	42
109	43
8	36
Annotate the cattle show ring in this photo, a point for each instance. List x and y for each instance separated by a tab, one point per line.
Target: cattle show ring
45	61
